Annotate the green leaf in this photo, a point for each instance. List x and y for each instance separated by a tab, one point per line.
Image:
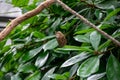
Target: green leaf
98	14
5	49
111	14
41	60
16	77
6	46
58	77
48	37
20	3
82	38
38	34
103	46
26	68
8	42
73	70
2	43
61	52
113	68
95	38
32	53
74	48
6	61
66	74
50	45
84	31
96	76
54	25
18	46
88	67
35	76
66	26
50	72
1	74
25	27
105	4
76	59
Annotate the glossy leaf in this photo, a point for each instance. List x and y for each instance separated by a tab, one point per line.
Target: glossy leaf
58	77
76	59
16	77
50	72
103	46
73	70
96	76
5	49
107	4
95	38
26	26
84	31
74	48
65	26
2	43
82	38
32	53
54	25
18	46
6	59
47	37
98	14
111	14
50	45
61	52
26	68
88	67
41	60
8	42
26	51
38	34
113	68
35	76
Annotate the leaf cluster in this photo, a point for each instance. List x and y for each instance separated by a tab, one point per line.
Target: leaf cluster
31	51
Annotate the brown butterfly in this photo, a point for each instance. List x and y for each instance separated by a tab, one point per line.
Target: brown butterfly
60	38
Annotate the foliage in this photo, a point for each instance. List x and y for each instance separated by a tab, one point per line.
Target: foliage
31	51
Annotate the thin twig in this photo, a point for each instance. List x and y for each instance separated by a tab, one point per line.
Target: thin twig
25	16
88	22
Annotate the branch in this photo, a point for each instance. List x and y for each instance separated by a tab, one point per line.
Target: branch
88	22
22	18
